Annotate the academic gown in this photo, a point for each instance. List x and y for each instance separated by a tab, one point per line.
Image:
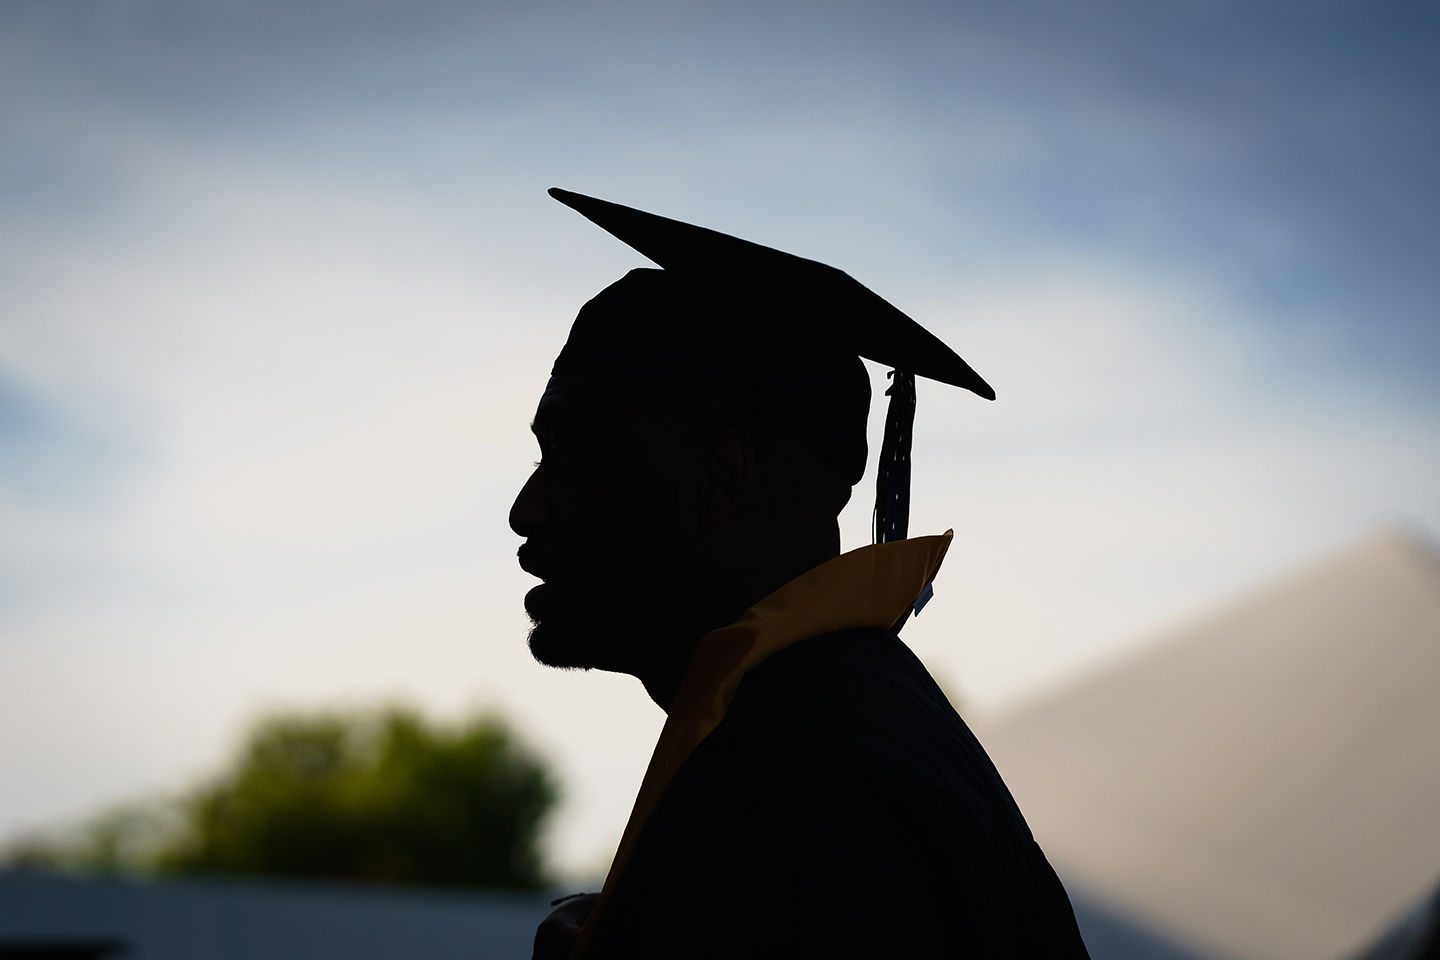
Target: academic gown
842	808
814	794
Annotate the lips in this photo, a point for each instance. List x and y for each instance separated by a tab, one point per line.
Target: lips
533	560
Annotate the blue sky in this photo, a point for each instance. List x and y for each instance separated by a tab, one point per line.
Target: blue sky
279	285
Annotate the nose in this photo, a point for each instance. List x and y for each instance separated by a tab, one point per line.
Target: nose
527	513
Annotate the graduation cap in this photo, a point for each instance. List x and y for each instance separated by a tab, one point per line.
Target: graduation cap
774	334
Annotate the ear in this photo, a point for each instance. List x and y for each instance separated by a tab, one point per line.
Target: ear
729	474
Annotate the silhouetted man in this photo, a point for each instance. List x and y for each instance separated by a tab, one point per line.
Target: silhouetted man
813	793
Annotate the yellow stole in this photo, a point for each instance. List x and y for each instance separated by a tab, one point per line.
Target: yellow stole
873	586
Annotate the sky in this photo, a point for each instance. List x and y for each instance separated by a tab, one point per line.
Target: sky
280	286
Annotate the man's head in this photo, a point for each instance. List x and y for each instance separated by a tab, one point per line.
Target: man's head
701	430
655	515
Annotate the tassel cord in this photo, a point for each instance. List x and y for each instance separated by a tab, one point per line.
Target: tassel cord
891	520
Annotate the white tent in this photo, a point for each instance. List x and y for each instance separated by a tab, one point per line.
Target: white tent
1264	785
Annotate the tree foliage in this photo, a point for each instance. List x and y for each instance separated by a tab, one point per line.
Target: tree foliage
380	797
123	839
374	796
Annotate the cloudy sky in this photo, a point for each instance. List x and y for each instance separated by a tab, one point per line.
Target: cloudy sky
280	285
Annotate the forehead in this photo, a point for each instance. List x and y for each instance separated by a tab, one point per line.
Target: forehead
583	404
624	416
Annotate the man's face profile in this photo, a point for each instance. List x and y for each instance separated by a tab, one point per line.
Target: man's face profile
602	521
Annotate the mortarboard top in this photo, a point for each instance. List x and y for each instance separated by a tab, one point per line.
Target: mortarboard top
775	334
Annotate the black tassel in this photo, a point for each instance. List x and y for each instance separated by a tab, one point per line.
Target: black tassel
892	476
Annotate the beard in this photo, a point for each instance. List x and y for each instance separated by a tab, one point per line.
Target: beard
613	616
591	622
565	630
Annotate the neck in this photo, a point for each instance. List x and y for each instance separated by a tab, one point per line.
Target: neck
729	590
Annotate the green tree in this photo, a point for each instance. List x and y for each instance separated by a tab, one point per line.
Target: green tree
380	797
123	839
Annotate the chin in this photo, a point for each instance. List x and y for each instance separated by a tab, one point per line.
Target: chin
555	646
560	634
555	651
